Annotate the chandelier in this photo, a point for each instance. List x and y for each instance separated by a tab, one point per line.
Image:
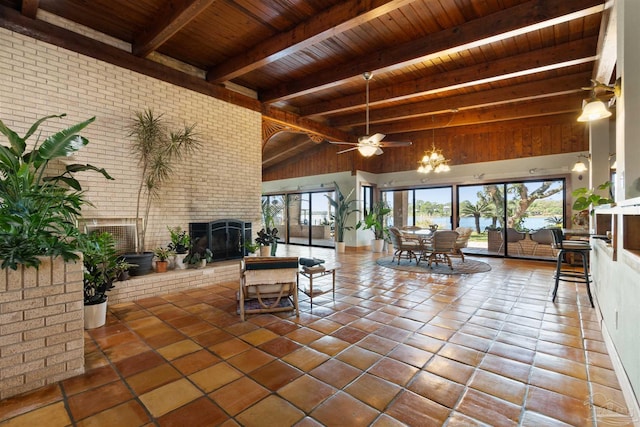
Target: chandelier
433	161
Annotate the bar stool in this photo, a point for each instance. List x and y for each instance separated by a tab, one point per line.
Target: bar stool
575	247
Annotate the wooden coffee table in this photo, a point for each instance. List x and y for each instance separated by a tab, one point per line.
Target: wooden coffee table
317	272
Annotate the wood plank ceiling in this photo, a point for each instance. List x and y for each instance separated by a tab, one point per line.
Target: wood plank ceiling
435	63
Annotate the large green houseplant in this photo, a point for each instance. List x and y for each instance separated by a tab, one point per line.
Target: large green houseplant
375	221
586	199
343	207
157	149
39	205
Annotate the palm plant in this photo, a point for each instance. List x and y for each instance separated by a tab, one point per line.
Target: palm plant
482	208
38	211
157	149
343	208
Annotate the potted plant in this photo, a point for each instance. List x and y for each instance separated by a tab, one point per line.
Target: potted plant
251	247
375	222
343	208
100	271
157	149
268	241
162	255
180	242
122	269
198	255
586	200
38	212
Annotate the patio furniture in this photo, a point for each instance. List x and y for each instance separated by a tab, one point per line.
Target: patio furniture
514	237
272	282
462	241
440	247
404	244
574	248
543	236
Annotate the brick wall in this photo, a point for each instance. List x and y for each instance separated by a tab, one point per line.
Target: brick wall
222	181
174	281
41	325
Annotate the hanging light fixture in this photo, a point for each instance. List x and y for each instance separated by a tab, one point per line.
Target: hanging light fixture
593	108
433	160
580	166
368	150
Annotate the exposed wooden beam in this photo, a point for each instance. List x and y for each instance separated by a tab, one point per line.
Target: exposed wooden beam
29	8
607	45
40	30
521	92
328	23
305	124
175	15
564	55
517	20
514	111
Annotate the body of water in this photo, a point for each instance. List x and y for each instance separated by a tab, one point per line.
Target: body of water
532	223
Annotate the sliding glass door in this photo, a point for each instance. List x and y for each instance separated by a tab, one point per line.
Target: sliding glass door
511	218
308	219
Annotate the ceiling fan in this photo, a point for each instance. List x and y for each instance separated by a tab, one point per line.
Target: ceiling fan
369	145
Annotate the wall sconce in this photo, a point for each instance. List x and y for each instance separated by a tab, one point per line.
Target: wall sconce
593	108
580	166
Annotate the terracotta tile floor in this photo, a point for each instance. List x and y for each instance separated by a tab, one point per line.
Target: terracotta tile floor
393	348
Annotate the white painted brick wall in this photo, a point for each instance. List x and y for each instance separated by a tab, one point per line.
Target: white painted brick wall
222	181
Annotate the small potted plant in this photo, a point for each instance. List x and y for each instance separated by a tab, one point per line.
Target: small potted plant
251	247
162	255
180	242
199	254
268	241
122	269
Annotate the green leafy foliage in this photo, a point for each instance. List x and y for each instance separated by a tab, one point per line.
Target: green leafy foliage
157	149
374	220
38	209
586	198
101	266
343	208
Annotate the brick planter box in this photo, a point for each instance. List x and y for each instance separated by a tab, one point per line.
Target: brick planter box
41	325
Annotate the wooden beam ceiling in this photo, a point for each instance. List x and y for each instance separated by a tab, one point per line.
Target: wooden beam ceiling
332	21
176	14
507	23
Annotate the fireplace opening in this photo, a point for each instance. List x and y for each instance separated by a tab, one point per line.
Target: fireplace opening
224	237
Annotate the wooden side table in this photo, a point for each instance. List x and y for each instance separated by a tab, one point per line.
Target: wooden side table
316	272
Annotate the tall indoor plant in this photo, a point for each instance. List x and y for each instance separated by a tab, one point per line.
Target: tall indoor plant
343	208
39	206
157	149
375	222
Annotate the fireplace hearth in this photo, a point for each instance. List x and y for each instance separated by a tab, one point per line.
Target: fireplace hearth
224	237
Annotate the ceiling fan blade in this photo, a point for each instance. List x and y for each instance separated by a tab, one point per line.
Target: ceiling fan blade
379	151
376	138
347	150
395	143
343	143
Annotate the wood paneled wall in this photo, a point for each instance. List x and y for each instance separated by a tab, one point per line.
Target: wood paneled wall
466	144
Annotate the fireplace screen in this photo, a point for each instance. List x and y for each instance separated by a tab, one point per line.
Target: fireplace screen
225	237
